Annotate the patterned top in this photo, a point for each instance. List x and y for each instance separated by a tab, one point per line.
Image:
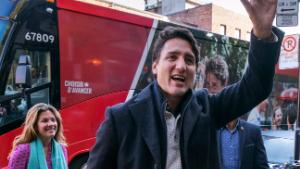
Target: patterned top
230	148
173	137
20	157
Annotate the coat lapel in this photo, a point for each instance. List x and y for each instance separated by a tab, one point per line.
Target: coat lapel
189	120
147	122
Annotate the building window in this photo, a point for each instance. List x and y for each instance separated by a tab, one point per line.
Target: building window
150	4
223	29
248	35
237	33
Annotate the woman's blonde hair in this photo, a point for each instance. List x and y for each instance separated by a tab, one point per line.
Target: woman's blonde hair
30	131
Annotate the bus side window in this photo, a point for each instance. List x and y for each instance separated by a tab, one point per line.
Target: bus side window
16	108
40	72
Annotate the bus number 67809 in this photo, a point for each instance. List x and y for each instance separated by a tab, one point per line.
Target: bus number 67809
39	37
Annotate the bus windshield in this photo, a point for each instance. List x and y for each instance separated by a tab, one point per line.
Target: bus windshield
7	7
4	27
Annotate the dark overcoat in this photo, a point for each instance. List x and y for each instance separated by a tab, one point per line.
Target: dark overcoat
133	136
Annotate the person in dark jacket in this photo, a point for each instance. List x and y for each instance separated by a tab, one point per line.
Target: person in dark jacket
167	125
240	143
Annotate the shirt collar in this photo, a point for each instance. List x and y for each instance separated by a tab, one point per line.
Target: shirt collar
161	100
236	128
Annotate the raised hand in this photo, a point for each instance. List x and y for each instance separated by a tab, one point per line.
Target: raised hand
261	13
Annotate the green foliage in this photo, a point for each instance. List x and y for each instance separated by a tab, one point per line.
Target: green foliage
234	51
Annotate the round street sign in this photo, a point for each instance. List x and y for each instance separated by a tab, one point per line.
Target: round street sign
289	44
289	52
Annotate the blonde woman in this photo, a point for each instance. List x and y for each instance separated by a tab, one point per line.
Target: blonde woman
42	143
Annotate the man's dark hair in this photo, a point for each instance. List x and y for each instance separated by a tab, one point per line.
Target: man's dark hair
171	33
290	111
218	66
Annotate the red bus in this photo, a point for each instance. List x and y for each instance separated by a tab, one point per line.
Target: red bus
81	57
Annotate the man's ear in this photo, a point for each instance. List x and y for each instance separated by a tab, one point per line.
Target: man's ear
154	67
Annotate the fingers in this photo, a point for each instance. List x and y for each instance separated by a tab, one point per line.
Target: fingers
248	8
261	13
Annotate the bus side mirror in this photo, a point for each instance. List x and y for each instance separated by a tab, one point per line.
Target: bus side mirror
23	71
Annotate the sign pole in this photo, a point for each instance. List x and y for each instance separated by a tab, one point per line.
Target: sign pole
297	133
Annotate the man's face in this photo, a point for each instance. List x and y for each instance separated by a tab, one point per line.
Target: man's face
212	83
175	68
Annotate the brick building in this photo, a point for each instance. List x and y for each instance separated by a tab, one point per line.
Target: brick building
209	17
197	13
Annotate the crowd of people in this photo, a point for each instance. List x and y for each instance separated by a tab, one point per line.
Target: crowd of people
281	116
273	113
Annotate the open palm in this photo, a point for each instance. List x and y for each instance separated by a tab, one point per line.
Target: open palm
261	13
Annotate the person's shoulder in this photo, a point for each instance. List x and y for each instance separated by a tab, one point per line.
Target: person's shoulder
140	97
249	126
23	148
119	109
201	96
20	154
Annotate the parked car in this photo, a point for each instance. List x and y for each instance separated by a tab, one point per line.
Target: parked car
279	146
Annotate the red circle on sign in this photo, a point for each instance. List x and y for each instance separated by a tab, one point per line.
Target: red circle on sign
289	44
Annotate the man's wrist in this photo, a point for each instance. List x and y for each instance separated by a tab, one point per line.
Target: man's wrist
271	38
